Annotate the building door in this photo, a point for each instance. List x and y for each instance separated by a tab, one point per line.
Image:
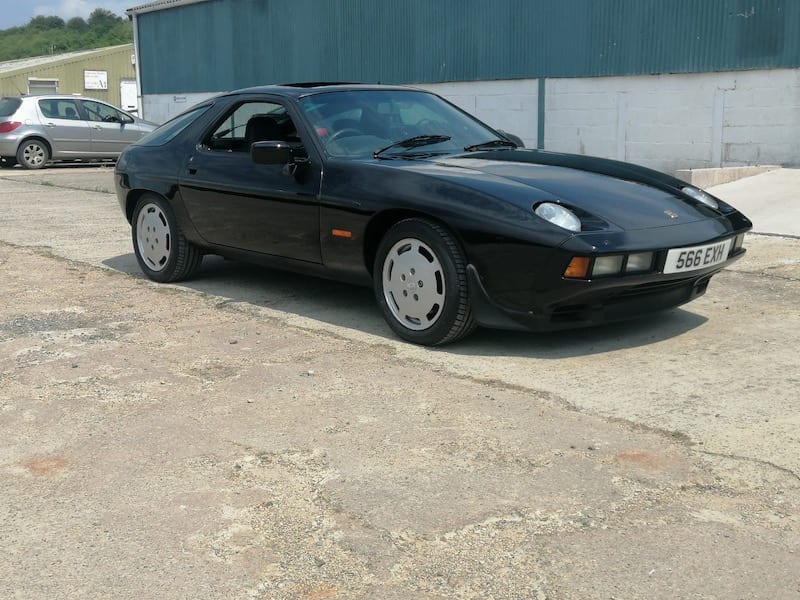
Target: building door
129	95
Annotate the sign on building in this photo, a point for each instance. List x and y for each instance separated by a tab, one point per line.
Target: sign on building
95	80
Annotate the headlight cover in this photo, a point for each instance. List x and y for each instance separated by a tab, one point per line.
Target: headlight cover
700	196
607	265
641	262
558	215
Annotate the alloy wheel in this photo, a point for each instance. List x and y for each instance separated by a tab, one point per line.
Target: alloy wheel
34	155
153	236
414	284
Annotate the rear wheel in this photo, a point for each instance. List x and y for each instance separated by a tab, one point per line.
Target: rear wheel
163	252
33	154
421	284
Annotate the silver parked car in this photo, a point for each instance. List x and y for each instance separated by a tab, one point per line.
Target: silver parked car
37	129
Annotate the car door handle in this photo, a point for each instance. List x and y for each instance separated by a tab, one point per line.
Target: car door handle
50	124
192	171
96	127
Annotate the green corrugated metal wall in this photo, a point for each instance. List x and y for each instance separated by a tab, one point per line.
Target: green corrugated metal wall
228	44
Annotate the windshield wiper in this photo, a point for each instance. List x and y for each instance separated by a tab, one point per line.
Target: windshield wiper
413	142
490	144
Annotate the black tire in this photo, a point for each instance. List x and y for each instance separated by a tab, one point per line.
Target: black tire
33	153
163	252
420	283
7	162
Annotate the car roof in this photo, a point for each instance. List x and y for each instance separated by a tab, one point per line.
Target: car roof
54	97
298	90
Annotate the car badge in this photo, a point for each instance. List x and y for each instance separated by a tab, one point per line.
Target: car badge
670	214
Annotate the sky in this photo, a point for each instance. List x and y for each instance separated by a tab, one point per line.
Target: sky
15	12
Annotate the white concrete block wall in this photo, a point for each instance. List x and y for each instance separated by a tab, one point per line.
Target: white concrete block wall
508	105
160	108
667	122
672	122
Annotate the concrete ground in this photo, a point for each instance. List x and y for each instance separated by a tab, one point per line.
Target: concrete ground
256	434
771	200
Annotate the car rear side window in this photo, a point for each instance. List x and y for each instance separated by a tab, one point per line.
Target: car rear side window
59	109
8	106
171	129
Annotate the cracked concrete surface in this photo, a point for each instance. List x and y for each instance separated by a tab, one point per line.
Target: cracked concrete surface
253	434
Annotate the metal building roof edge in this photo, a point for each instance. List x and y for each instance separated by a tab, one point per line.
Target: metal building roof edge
160	5
24	64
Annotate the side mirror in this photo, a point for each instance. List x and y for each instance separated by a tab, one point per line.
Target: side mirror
127	119
271	153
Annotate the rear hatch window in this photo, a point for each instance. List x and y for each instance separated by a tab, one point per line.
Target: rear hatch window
8	106
171	129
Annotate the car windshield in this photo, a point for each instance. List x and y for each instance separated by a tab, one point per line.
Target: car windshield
8	106
391	124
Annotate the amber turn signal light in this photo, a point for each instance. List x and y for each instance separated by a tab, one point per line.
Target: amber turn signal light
578	268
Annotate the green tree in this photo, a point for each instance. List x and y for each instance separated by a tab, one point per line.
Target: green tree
77	24
102	19
42	23
51	35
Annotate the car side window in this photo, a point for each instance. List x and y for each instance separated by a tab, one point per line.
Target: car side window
97	111
60	109
251	122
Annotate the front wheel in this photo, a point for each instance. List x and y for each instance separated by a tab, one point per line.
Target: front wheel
33	154
161	249
420	283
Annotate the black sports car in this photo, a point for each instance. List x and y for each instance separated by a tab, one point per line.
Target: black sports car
448	219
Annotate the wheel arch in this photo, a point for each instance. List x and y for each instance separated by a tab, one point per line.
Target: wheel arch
383	221
133	197
40	138
162	251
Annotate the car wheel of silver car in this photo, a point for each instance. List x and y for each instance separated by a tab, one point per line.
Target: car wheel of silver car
421	283
33	154
163	252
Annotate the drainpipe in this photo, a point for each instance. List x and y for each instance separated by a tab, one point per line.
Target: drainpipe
540	114
137	62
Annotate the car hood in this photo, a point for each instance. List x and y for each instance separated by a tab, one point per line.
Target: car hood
627	196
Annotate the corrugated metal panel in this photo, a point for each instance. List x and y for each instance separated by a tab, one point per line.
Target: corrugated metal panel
159	5
68	70
226	44
54	59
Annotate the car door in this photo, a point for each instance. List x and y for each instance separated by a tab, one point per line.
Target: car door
234	202
69	133
111	129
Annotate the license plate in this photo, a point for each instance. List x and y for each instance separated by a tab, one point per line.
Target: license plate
680	260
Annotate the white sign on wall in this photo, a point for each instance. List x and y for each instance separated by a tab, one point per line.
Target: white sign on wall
95	80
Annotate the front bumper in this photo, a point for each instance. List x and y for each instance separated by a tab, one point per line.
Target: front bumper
578	303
